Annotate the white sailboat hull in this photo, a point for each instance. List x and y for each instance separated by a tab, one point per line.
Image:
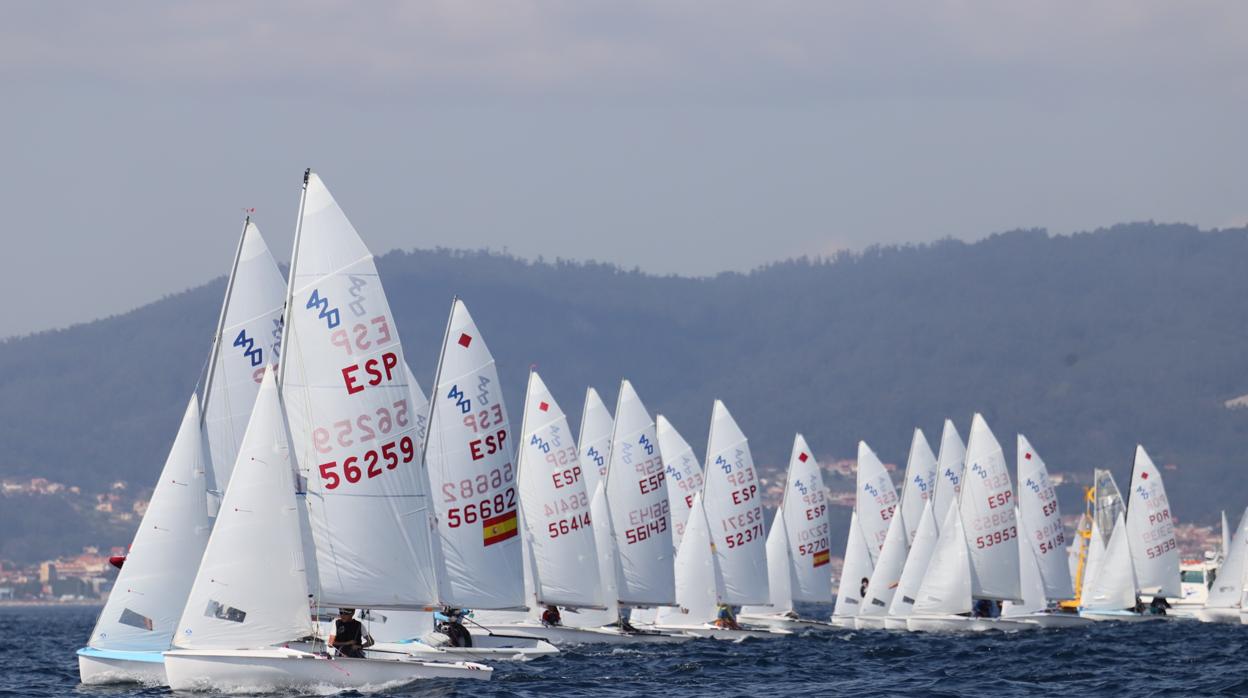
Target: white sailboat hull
1122	616
714	633
96	667
277	669
962	624
870	622
1054	620
797	625
895	623
1218	615
846	622
562	635
491	647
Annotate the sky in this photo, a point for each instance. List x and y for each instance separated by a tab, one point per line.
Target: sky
676	136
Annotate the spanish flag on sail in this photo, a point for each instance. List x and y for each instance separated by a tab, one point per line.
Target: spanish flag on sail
822	558
499	528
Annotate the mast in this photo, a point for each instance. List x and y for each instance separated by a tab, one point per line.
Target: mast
525	549
290	284
216	340
433	393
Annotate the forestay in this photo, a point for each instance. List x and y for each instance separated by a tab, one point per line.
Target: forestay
987	507
1092	564
469	456
949	465
805	519
734	513
143	609
1154	550
249	338
348	403
1228	587
595	439
252	590
946	588
919	484
1041	521
857	568
916	563
684	474
636	489
556	506
876	500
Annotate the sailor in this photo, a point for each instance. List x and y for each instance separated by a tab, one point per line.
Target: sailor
725	618
862	587
450	622
551	616
1158	606
348	637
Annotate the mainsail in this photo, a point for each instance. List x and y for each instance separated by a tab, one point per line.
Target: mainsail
556	505
732	499
987	506
1150	529
684	474
248	339
949	465
348	404
804	516
1040	520
876	500
640	515
472	474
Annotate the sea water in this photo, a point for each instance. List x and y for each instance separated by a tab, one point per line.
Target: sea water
37	658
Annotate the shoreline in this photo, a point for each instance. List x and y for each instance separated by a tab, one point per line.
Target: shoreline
35	603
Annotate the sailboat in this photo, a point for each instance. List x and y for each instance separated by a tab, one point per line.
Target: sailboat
976	556
722	558
136	624
1044	575
919	478
946	485
874	503
1146	560
417	632
351	521
798	552
1226	597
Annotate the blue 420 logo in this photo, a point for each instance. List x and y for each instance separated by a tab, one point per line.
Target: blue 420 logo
328	314
250	350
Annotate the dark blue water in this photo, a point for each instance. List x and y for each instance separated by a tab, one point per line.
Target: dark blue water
1142	659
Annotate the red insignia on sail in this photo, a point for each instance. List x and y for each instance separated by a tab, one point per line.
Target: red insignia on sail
802	457
499	528
1028	456
543	407
1144	475
822	557
464	340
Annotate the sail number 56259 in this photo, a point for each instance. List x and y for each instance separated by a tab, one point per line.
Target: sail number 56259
355	468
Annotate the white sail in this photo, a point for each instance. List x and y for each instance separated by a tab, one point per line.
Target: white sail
733	501
780	577
419	406
876	500
946	588
1092	563
698	577
1154	550
920	556
353	435
919	484
684	474
987	506
595	439
248	339
949	464
252	589
887	573
471	471
855	570
1226	538
1030	584
143	609
1228	587
1114	585
1040	522
636	489
555	504
808	529
608	567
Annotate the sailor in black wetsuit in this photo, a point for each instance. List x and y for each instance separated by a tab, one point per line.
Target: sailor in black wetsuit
348	637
